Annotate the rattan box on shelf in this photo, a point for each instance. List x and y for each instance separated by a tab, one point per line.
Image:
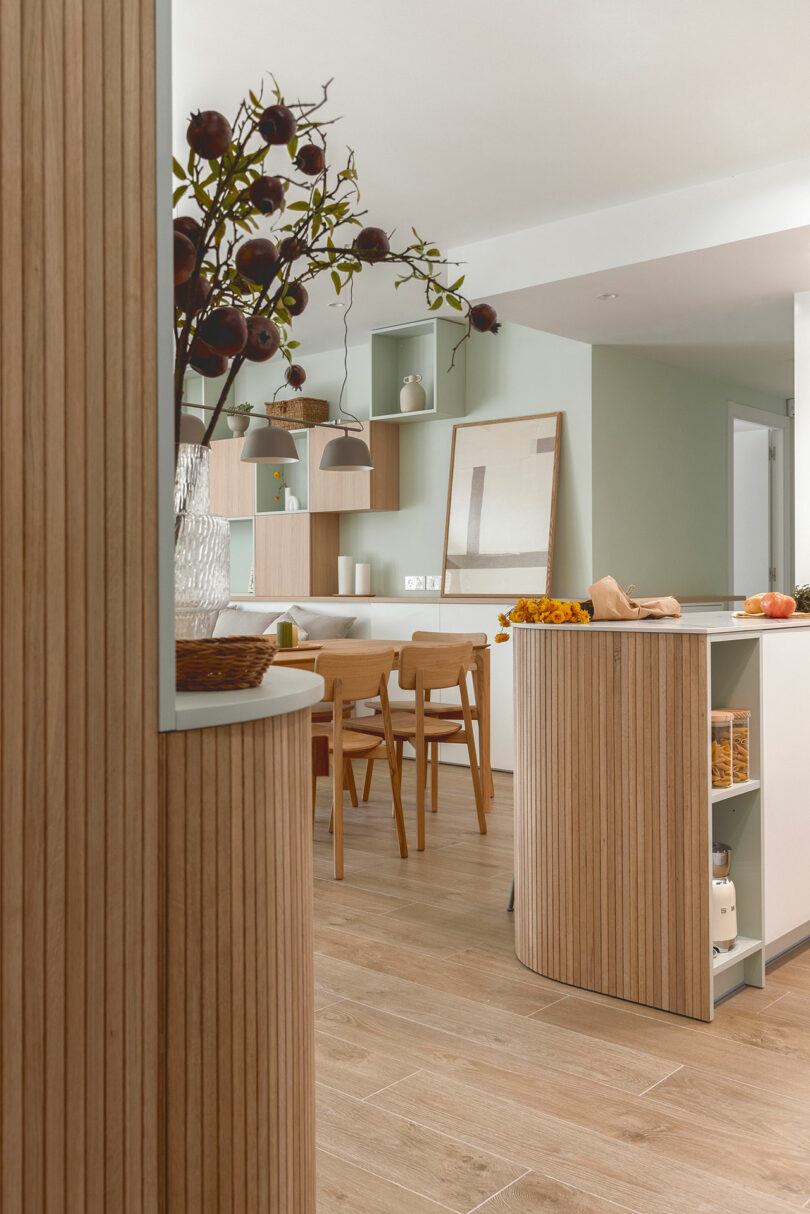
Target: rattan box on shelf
300	409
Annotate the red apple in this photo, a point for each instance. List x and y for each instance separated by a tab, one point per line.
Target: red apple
778	606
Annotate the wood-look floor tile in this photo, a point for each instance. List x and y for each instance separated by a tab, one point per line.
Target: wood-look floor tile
614	1170
622	1067
346	1189
333	893
521	998
681	1045
534	1193
353	1069
424	1160
700	1093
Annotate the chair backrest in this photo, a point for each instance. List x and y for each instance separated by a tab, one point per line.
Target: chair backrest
359	672
475	638
439	665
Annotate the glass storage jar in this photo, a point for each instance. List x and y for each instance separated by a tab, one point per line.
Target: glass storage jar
740	730
721	748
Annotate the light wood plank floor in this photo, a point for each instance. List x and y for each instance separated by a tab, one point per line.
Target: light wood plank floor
451	1078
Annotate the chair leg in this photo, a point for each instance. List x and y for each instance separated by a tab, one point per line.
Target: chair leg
434	777
350	784
367	784
427	745
314	798
337	814
511	905
421	774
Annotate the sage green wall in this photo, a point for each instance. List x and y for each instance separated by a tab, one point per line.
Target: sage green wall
518	371
660	479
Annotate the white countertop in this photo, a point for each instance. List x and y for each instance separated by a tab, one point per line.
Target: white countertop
710	623
281	691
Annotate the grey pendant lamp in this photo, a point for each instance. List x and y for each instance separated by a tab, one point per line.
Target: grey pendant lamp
269	445
192	429
347	453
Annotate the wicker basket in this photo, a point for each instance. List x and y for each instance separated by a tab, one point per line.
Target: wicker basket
223	663
300	409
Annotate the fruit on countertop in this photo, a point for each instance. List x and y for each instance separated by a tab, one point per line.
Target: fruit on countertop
754	605
778	606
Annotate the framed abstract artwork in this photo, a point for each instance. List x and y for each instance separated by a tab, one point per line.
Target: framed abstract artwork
499	532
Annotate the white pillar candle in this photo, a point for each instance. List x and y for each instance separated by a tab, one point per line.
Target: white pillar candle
362	579
344	574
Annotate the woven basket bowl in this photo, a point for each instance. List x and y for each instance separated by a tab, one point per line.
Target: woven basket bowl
301	409
223	663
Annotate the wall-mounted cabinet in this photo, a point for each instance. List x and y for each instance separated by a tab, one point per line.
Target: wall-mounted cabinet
424	348
233	484
356	491
296	554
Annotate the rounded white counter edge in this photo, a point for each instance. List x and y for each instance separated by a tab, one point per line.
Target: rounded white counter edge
281	691
701	622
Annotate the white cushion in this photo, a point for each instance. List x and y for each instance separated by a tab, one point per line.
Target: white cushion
236	622
318	625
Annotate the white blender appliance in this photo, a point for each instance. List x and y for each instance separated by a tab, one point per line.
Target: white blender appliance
724	900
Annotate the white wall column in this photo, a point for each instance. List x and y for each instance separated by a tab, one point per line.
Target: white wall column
801	440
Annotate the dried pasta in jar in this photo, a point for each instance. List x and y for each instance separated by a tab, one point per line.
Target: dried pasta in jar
721	748
740	731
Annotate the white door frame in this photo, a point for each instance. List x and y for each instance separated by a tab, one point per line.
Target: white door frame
781	493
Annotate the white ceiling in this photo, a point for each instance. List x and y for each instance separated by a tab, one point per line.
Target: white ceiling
473	119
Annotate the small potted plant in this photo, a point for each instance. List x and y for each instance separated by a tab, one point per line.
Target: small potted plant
238	419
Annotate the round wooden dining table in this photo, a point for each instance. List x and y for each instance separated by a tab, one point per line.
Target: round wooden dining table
304	656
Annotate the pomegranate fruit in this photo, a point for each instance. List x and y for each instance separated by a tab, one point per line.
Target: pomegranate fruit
189	227
185	255
257	260
296	298
224	331
277	124
291	248
262	341
778	606
295	376
196	301
266	194
209	134
484	318
371	244
310	160
207	361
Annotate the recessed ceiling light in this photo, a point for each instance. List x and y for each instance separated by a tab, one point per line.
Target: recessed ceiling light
337	303
608	295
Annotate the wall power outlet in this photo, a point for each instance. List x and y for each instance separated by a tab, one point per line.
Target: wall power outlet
414	582
433	581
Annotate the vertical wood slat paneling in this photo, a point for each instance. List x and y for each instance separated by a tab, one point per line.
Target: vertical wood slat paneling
240	1025
611	826
79	883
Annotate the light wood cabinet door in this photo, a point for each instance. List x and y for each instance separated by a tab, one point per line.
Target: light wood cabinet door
296	554
356	491
233	484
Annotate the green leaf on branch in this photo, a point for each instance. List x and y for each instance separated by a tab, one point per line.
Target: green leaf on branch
458	283
336	281
292	147
178	169
178	194
298	206
454	303
432	253
437	303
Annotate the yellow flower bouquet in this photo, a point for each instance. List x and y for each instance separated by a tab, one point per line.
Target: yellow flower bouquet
542	611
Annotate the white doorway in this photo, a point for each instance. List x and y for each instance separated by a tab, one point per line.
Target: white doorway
759	501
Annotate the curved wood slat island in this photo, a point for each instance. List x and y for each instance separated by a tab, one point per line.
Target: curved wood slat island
614	810
235	774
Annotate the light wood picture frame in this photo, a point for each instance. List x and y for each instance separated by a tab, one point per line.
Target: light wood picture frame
501	503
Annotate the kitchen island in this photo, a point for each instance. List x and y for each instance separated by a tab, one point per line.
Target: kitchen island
615	813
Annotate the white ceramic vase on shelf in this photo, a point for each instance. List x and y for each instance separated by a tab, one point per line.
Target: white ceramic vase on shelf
345	569
238	423
362	579
291	502
411	394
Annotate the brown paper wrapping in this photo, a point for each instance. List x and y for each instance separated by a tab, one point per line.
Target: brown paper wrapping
610	602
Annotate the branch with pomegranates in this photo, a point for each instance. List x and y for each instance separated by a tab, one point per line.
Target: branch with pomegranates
241	264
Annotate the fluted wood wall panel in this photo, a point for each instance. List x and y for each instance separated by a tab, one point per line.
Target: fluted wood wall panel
240	1013
79	875
611	845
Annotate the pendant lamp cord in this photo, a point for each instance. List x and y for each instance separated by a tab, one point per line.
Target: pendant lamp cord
346	311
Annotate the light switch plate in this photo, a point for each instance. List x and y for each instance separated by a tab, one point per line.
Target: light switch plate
414	582
433	581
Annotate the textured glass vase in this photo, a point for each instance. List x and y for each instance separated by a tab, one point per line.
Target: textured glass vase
202	550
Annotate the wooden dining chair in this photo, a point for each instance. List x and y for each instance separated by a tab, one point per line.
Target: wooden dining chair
347	677
322	714
433	708
424	668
